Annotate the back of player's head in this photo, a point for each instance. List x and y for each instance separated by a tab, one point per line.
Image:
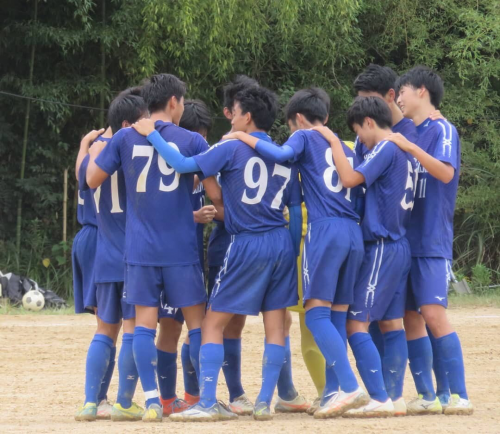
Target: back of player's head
135	90
196	117
158	90
313	103
369	107
240	83
129	108
261	103
376	78
422	76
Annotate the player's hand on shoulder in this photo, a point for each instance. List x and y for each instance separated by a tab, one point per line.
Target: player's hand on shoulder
91	136
96	148
327	133
400	140
205	215
230	136
436	115
144	126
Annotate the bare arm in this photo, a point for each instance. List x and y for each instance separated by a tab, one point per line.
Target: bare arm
84	148
439	170
350	178
95	175
214	192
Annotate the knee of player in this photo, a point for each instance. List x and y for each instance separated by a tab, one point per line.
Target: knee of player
288	322
435	317
110	330
353	326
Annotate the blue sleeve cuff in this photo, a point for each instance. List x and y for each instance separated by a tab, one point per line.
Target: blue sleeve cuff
172	156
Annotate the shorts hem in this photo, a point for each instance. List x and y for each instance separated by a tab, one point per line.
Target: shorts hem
234	311
179	306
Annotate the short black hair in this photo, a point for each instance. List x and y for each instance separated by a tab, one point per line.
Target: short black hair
158	90
376	78
369	107
135	90
125	108
423	76
261	103
240	83
196	116
313	103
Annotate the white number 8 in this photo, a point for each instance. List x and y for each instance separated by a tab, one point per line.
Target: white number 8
328	175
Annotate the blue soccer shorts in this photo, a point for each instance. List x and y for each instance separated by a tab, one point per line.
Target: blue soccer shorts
182	285
83	258
166	311
380	290
333	252
111	304
259	274
428	282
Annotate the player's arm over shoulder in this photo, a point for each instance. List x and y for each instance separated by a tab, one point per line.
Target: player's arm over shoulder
104	160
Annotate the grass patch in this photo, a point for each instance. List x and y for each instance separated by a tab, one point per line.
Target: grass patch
485	298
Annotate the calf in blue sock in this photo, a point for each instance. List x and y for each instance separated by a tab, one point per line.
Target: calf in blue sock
97	363
103	393
127	371
146	360
439	367
191	387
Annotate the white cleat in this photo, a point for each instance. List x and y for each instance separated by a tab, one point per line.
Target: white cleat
340	402
459	406
314	406
372	409
420	407
297	405
104	409
197	413
399	407
241	406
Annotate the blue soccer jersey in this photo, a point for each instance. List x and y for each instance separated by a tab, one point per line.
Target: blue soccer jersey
198	202
390	177
255	190
324	194
405	126
431	230
160	229
85	213
110	206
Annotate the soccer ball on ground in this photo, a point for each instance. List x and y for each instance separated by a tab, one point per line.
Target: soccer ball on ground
33	300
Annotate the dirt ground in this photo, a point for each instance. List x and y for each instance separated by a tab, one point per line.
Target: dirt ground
42	373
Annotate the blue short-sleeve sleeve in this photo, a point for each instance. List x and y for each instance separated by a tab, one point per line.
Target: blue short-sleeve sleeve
446	147
216	158
377	162
200	144
109	159
297	142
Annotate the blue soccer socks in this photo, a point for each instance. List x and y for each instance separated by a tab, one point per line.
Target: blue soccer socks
146	360
194	349
329	341
272	362
190	379
420	357
377	337
286	388
442	383
394	362
127	372
369	365
167	374
232	367
103	393
96	366
211	359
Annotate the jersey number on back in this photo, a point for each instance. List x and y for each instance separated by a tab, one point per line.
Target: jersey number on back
411	183
328	175
115	198
148	151
261	182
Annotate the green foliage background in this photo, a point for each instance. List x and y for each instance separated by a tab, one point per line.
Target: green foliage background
86	51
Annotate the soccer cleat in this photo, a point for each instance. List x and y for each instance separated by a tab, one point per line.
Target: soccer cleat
399	407
262	411
241	406
174	405
120	414
191	399
153	413
104	410
444	399
197	413
459	406
420	406
297	405
340	402
87	412
372	409
314	406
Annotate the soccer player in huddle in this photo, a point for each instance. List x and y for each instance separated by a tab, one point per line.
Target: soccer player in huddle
389	176
196	118
333	249
161	250
437	150
259	272
109	204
